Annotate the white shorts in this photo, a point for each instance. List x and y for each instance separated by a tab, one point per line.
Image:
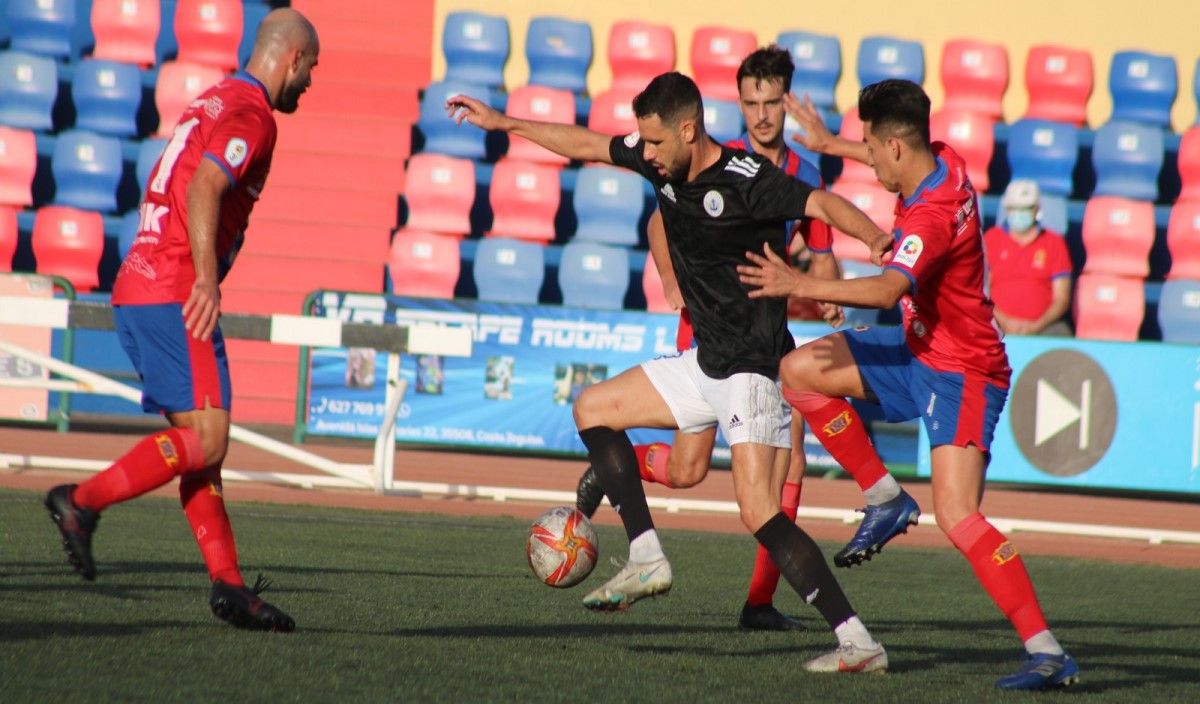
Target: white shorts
748	407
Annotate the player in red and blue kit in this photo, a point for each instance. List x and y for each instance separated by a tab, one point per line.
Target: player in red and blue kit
946	365
166	303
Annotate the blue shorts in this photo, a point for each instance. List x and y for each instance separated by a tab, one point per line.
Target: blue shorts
178	372
957	409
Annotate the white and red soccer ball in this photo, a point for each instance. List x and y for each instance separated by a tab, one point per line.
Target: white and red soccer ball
562	547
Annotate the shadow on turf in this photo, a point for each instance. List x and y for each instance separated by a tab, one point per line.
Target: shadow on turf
188	569
15	632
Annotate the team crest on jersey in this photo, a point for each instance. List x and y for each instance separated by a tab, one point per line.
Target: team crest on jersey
714	204
235	152
632	138
909	251
669	192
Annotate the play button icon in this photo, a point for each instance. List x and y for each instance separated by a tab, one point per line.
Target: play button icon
1063	412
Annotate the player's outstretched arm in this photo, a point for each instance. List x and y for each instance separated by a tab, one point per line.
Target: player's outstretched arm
815	136
841	213
769	276
571	141
205	189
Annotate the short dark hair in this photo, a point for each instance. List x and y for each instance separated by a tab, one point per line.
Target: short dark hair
896	106
672	96
767	64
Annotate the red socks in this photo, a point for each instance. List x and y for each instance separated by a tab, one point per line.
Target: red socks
200	495
766	575
1001	571
154	461
652	462
841	431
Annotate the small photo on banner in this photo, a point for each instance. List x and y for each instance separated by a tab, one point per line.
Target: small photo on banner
498	376
431	374
571	379
360	368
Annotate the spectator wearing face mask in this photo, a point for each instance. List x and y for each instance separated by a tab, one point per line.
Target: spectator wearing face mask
1029	268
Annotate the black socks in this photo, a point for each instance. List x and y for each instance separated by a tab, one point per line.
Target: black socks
611	454
800	561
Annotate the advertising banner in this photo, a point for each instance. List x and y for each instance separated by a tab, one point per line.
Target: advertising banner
17	403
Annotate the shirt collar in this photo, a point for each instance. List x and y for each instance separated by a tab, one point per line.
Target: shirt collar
246	77
930	182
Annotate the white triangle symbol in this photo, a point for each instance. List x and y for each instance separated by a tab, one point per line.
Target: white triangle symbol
1054	413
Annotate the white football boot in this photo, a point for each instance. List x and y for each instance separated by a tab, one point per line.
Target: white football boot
635	580
848	657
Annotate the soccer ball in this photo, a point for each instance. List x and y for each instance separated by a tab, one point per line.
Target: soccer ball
562	547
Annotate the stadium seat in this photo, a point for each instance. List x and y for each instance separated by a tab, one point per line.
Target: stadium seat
1183	240
1054	213
818	61
612	112
440	191
18	163
148	152
28	87
252	16
889	57
177	85
1178	311
593	275
1117	236
1189	164
852	129
441	134
476	48
543	104
608	205
127	231
424	264
106	96
524	199
974	77
1045	152
970	134
639	51
125	30
1109	307
723	119
208	32
8	237
42	27
69	243
509	271
716	54
1143	87
852	269
1059	82
1127	158
87	170
652	288
165	46
876	202
559	52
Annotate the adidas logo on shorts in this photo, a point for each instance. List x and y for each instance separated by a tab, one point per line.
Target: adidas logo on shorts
735	422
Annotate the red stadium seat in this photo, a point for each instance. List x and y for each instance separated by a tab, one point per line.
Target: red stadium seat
974	76
856	171
612	112
8	237
716	54
1117	236
18	163
209	32
652	287
1189	164
1059	80
524	200
1183	240
1109	307
69	243
876	202
424	264
639	51
440	191
545	105
970	134
178	84
126	30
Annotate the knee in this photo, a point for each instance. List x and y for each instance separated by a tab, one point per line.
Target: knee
683	476
586	409
950	516
794	370
753	516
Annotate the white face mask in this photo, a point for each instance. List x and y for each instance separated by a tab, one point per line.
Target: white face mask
1020	220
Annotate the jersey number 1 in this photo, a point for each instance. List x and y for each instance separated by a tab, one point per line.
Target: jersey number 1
171	154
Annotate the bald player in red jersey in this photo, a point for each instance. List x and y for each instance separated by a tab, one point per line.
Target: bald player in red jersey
946	364
166	303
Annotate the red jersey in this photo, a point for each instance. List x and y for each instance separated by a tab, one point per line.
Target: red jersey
948	318
1021	276
232	125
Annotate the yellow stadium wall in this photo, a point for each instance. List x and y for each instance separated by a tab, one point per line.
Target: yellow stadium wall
1100	26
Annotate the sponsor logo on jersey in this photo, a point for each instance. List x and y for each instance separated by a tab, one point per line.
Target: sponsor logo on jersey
743	165
838	424
150	217
213	106
632	138
669	192
235	152
1005	553
714	204
909	251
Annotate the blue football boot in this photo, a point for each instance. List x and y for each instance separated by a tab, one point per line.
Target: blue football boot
879	525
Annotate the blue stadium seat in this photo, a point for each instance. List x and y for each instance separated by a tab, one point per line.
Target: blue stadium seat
28	87
818	60
559	52
608	205
594	275
1127	158
252	16
441	134
1045	152
853	269
509	271
166	46
87	169
889	57
1179	311
148	152
476	48
42	26
723	119
1054	213
106	96
1143	87
127	230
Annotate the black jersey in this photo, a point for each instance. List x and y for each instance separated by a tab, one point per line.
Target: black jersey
732	207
